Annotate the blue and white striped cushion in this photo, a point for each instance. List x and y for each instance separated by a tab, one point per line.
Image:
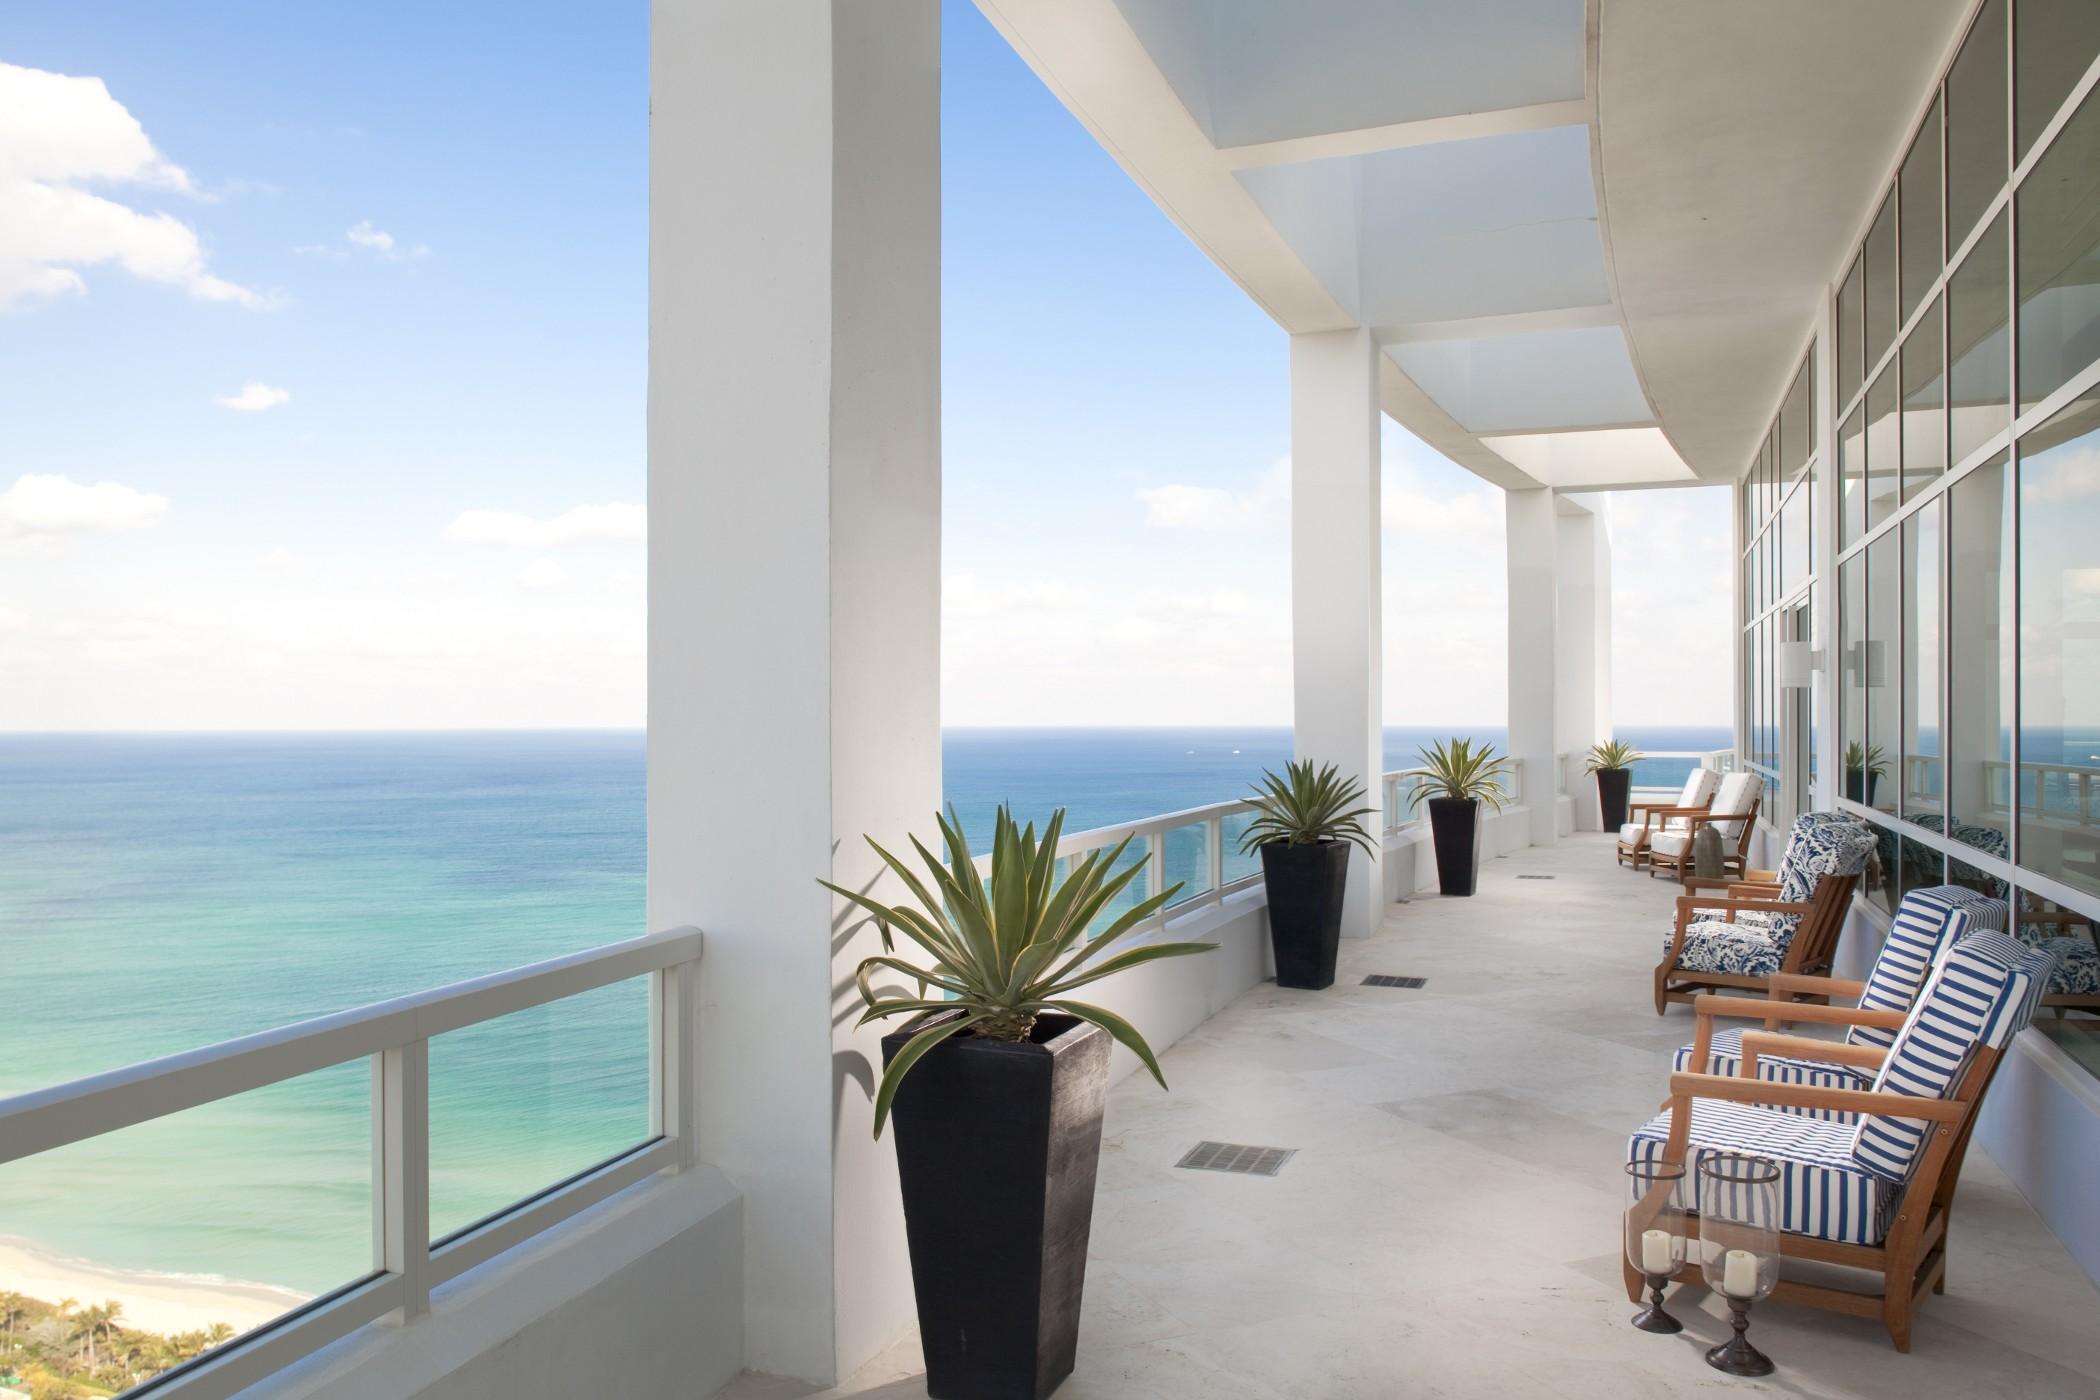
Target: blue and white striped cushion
1725	1056
1927	923
1981	993
1823	1193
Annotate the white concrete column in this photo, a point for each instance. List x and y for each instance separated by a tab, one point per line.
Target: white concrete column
1336	615
1532	535
794	602
1582	640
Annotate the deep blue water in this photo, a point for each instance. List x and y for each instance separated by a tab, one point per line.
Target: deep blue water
158	893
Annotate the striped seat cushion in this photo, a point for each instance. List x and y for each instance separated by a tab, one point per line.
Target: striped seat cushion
1927	923
1823	1192
1981	993
1725	1056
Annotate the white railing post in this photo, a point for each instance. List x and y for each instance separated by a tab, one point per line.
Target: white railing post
672	1110
1156	868
1214	838
402	1201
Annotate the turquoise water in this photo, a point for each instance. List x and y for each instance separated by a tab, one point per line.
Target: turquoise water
160	893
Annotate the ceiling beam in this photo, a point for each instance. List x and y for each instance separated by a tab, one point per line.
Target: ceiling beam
1428	131
1561	318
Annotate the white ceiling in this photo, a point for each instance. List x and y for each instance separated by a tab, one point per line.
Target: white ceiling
1591	236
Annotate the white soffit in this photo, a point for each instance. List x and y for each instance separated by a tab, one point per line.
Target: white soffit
1252	71
1546	379
1594	460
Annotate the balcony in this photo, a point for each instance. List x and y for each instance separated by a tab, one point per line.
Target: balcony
1448	1221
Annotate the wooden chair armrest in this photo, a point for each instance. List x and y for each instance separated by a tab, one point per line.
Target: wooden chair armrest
1797	1012
1804	1047
1685	1086
2065	917
1689	902
1786	983
1695	883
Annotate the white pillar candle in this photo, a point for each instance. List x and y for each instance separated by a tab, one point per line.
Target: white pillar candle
1656	1253
1739	1274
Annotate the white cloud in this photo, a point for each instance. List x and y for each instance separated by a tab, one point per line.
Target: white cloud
365	236
1472	518
542	573
1184	507
2064	474
613	521
48	504
254	397
58	132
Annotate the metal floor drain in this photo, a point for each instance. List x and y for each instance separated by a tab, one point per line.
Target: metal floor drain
1381	979
1237	1158
1534	877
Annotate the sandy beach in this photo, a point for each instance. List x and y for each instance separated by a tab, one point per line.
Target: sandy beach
161	1303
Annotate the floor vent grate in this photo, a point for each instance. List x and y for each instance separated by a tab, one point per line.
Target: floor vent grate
1534	877
1237	1158
1380	979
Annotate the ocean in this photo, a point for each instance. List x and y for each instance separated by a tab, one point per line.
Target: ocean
159	893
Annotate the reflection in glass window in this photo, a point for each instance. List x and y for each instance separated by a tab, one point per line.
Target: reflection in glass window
1884	651
1793	539
1980	624
1885	872
2054	42
1976	157
1919	187
1880	258
1884	486
1852	476
1852	701
2059	557
1797	424
1980	380
1921	662
2060	258
1850	372
1924	404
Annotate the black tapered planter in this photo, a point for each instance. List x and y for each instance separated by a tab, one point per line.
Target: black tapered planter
997	1144
1861	786
1454	828
1305	886
1614	790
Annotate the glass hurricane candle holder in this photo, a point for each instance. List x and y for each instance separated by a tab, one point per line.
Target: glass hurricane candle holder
1739	1201
1656	1206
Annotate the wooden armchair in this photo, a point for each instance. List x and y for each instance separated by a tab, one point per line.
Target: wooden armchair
1733	814
1649	818
1751	932
1867	1175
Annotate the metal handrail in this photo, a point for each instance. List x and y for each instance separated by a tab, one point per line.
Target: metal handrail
1153	832
395	1036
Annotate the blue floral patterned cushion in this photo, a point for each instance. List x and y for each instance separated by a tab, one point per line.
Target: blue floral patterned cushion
1715	945
2077	966
1817	846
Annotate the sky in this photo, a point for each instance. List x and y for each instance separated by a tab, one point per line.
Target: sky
322	382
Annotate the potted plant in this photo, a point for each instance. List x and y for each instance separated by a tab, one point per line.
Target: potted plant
1612	763
1454	779
997	1084
1864	770
1304	824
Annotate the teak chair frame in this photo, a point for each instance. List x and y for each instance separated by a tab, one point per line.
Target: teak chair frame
1912	1259
1654	817
1736	860
1810	954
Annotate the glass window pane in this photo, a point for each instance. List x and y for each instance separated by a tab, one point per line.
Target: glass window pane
2054	42
1884	876
2059	553
1852	476
1884	653
1851	372
1884	449
1976	147
1852	710
1796	426
1920	199
2060	259
1921	662
1880	258
1980	377
1793	539
1188	860
1980	657
524	1102
1924	403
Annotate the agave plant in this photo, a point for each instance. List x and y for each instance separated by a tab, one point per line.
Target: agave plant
1457	769
1611	756
1870	759
1006	947
1306	805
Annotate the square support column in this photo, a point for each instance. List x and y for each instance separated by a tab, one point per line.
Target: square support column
1337	645
1532	537
1582	642
794	604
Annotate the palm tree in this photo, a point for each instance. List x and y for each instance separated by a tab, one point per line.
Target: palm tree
13	1308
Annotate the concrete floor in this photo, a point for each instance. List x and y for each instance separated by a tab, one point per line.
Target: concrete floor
1450	1223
